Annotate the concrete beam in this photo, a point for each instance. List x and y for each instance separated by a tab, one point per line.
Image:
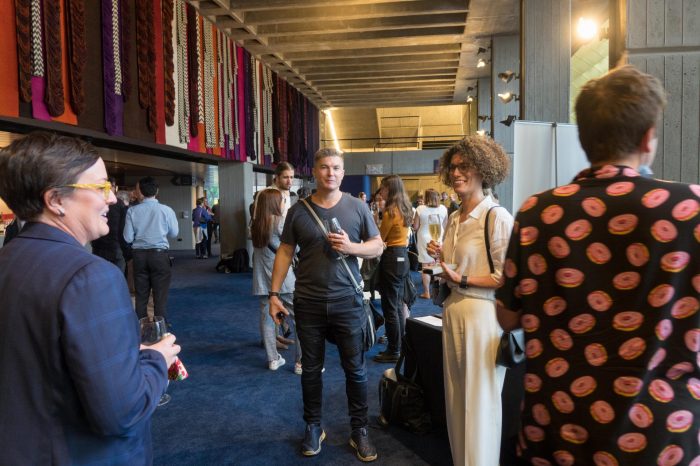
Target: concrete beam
378	65
348	62
385	76
373	52
258	5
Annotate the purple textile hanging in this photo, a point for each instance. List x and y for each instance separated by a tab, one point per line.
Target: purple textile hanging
114	104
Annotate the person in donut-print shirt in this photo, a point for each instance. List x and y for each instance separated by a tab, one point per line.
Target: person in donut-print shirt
603	274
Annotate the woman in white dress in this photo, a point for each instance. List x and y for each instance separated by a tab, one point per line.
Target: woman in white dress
421	222
471	332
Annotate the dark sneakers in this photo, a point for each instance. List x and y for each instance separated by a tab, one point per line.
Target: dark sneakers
313	438
385	356
359	440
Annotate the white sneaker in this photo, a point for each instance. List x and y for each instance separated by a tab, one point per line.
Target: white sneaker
276	364
297	368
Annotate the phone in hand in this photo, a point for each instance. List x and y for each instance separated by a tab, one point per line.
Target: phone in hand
280	316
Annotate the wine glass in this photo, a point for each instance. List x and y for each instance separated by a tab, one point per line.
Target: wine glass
152	331
435	227
333	226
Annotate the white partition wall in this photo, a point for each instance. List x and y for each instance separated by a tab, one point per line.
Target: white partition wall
545	155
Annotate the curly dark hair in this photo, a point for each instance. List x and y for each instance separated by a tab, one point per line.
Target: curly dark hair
480	153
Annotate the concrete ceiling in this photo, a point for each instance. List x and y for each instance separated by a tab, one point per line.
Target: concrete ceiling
369	53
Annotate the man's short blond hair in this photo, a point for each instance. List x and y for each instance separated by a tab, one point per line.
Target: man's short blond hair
327	152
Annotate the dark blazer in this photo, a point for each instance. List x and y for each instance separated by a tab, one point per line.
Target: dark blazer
74	387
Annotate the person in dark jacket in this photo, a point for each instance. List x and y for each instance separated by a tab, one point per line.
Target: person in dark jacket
109	246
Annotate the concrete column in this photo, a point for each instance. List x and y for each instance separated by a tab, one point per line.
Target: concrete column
235	195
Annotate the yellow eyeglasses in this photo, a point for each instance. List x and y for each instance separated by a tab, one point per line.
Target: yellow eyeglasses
105	187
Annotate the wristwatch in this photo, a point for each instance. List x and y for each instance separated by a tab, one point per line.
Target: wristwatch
463	283
270	294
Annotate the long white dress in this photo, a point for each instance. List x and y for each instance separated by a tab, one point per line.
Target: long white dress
470	338
423	234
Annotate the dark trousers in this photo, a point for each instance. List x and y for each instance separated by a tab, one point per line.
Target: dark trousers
210	231
152	272
393	269
200	249
343	320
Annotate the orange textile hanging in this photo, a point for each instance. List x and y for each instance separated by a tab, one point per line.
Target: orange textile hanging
68	116
9	65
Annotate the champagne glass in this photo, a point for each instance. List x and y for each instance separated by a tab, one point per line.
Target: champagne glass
435	227
152	331
333	226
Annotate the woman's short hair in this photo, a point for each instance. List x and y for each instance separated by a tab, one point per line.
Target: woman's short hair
480	153
432	198
614	111
38	162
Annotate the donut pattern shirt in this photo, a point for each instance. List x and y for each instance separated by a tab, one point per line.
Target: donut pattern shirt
606	272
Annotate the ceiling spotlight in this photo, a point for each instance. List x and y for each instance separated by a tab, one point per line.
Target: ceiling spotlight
508	75
586	29
509	120
481	50
507	97
481	63
483	132
470	99
484	117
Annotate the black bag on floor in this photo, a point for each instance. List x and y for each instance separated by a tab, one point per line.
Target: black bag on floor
414	264
236	263
401	400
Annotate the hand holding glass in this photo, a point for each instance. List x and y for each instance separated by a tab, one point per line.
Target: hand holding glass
152	331
333	226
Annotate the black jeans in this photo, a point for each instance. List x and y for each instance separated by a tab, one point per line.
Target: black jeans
152	272
393	269
343	320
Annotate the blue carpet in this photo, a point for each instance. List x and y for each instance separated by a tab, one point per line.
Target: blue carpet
232	410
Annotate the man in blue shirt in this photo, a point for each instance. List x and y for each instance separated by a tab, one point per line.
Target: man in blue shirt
148	226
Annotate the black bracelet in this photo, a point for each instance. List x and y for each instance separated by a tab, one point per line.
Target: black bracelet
463	283
270	294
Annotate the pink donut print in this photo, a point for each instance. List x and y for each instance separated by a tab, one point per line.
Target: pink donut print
685	307
602	412
567	190
675	261
529	203
695	462
663	329
627	386
598	253
693	386
578	229
510	269
679	421
537	461
655	197
632	348
622	224
632	442
533	433
679	370
532	383
568	277
554	306
628	321
556	367
603	458
596	354
564	458
661	391
608	171
573	433
528	235
641	416
528	286
530	322
620	188
561	339
583	386
692	340
533	348
637	254
696	283
660	295
581	323
551	214
593	206
626	280
630	172
657	359
558	247
664	231
696	233
541	415
695	188
685	210
537	264
562	402
670	456
599	301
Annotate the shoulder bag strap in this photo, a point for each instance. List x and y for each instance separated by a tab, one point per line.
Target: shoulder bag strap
487	238
358	287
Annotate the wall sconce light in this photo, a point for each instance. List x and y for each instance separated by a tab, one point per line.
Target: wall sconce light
508	75
481	50
470	88
481	63
508	96
483	132
483	117
470	99
509	120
